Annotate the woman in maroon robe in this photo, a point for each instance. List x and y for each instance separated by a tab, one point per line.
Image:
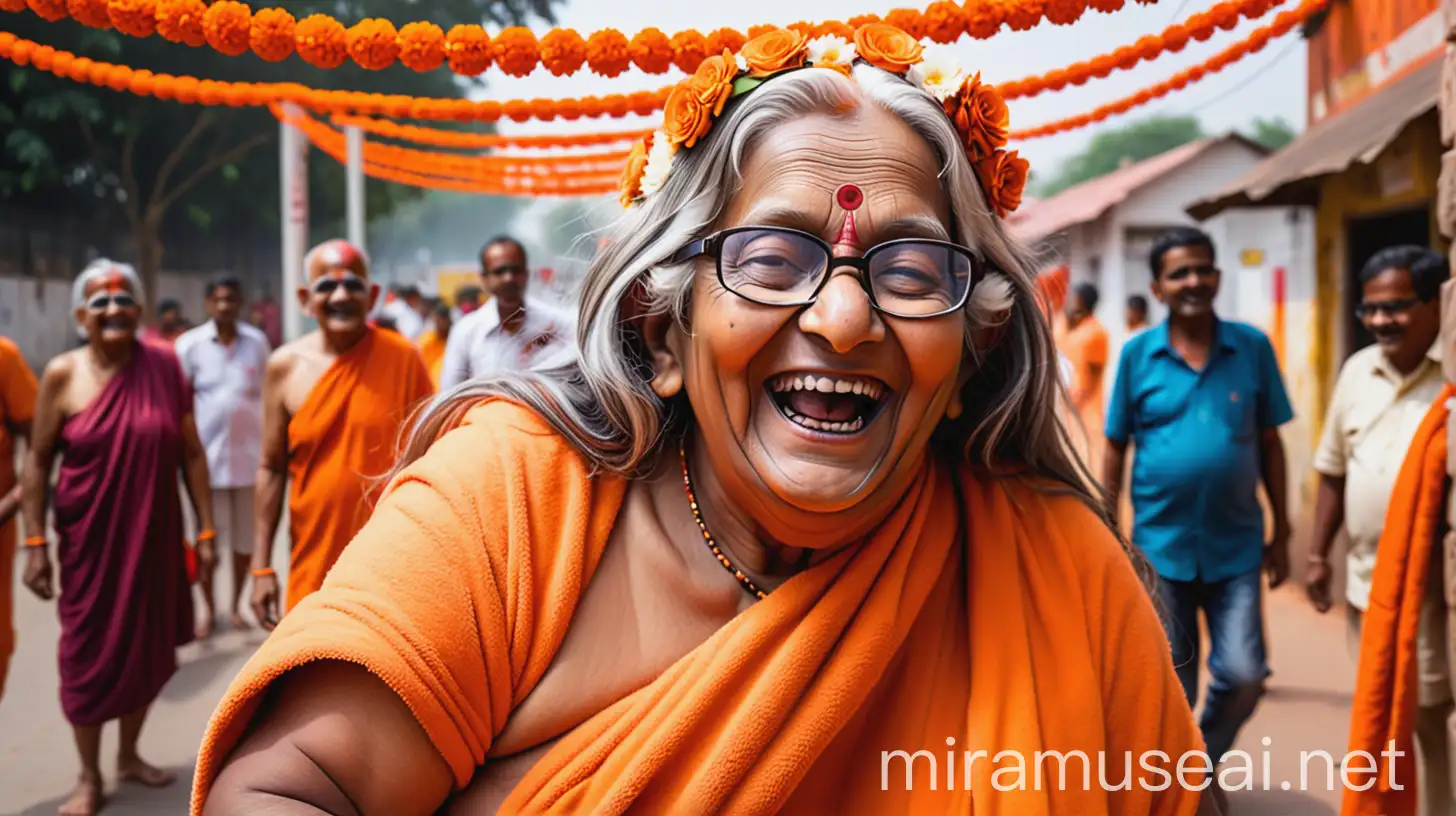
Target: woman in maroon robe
119	415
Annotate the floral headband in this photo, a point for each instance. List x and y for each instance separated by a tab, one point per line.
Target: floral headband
976	109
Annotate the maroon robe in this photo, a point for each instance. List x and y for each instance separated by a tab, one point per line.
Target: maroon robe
125	603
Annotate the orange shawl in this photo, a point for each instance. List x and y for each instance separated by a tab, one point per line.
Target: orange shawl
432	351
974	583
1386	691
343	437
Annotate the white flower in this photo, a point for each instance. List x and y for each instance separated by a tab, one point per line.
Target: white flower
829	50
938	73
659	164
741	63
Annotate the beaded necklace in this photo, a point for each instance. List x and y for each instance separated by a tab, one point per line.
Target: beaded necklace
743	579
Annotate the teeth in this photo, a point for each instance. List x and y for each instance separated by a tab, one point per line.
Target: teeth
830	427
828	385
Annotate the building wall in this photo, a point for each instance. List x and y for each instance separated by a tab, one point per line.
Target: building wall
1363	45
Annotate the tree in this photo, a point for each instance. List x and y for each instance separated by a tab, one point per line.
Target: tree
1111	149
1271	133
170	169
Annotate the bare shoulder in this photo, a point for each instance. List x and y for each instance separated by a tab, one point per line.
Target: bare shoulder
282	360
61	367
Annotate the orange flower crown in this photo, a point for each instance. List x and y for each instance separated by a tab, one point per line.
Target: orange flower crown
975	108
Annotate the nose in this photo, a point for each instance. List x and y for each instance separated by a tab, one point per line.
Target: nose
842	314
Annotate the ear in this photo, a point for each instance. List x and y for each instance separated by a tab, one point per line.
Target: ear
656	329
303	298
373	296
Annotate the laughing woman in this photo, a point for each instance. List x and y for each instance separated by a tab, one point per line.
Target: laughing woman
118	416
803	502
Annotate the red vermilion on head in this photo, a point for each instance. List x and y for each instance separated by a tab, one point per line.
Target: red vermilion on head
115	282
849	198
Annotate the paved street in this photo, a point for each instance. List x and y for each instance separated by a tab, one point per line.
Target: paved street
1307	709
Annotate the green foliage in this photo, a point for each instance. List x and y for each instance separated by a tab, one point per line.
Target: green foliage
1109	150
1271	133
164	168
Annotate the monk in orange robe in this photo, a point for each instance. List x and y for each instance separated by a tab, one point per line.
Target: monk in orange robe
1083	339
795	532
432	341
17	407
333	404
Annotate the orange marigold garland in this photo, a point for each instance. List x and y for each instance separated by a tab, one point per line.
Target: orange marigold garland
49	10
983	18
91	13
516	51
651	51
945	22
321	41
228	27
563	51
725	38
608	53
422	46
1022	15
183	21
271	36
1064	12
689	48
908	21
373	43
137	18
468	49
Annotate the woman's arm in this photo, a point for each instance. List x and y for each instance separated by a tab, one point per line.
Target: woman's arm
332	738
199	487
35	472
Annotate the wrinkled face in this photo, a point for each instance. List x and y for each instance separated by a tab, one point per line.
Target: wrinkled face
503	270
111	311
224	304
820	408
1188	281
1390	309
339	293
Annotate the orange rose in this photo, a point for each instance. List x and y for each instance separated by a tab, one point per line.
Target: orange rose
1003	177
631	185
981	117
712	83
887	47
685	118
774	51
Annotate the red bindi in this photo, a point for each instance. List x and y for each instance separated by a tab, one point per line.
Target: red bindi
849	197
115	282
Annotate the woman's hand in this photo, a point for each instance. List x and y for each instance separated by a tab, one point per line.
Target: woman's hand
37	575
206	558
265	600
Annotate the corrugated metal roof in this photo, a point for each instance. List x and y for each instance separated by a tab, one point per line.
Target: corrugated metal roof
1352	136
1089	200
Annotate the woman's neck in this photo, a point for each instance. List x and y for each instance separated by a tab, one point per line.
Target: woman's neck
109	355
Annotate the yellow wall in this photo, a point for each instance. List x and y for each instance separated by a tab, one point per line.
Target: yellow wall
1359	191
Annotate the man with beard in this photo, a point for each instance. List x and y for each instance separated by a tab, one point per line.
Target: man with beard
1383	393
511	331
333	404
1202	400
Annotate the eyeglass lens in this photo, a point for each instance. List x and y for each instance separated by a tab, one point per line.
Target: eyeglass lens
1390	308
101	303
908	278
326	286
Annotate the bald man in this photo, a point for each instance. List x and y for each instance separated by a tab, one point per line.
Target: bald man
334	402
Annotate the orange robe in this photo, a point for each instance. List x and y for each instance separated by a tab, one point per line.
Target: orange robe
1387	685
432	351
342	439
981	610
1086	348
17	404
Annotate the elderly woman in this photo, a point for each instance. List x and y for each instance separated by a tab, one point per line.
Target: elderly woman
117	414
798	531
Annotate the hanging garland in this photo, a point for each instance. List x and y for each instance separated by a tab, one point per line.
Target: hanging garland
455	138
232	28
1283	24
1199	26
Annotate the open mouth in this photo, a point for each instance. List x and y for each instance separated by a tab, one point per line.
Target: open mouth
115	323
836	405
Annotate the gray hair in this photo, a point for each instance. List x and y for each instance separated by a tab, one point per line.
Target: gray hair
101	268
601	400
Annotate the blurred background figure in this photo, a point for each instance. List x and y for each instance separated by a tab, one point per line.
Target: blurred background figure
268	317
224	361
170	324
1136	314
1083	340
17	405
116	414
467	300
433	340
406	311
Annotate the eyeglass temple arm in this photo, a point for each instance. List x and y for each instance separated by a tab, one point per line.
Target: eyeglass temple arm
693	250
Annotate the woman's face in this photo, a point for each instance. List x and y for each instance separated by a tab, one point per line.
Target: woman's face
110	311
755	373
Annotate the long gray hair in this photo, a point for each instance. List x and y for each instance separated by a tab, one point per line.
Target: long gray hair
600	399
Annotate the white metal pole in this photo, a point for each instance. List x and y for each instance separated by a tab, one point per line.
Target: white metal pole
354	188
293	177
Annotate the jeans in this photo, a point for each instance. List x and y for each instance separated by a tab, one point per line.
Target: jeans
1236	661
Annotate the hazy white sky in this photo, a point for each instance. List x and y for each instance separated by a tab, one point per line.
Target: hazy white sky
1268	84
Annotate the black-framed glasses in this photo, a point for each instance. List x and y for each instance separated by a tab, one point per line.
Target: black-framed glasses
102	302
778	266
326	285
1390	308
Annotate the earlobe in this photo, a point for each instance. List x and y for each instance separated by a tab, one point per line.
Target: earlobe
667	377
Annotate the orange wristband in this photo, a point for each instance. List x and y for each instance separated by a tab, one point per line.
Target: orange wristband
263	573
206	535
35	541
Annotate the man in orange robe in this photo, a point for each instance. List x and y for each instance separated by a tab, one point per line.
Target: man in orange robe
334	403
1083	339
17	406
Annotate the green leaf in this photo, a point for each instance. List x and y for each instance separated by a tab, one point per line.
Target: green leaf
230	173
199	216
744	84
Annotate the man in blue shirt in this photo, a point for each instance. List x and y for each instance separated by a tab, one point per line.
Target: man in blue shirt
1201	399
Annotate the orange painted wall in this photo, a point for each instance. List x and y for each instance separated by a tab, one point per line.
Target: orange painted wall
1394	32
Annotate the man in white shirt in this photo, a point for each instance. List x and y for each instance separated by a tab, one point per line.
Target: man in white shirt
512	331
224	360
